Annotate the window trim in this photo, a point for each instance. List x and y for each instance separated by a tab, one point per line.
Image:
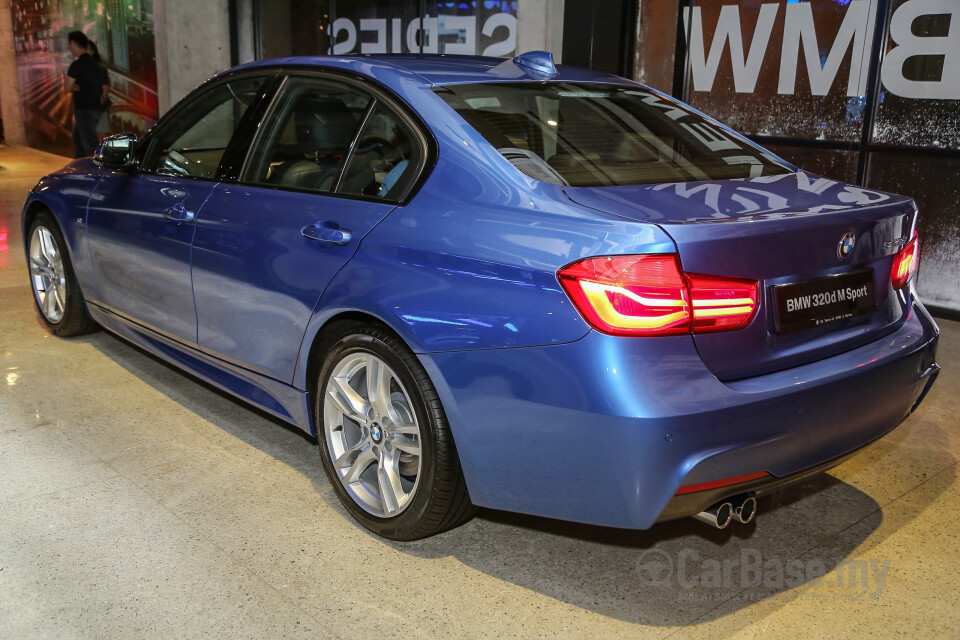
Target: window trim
276	104
235	155
379	95
348	156
146	145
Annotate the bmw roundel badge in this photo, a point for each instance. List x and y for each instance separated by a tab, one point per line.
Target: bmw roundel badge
845	248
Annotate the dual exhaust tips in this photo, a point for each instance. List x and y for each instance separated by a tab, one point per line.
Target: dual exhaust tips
739	508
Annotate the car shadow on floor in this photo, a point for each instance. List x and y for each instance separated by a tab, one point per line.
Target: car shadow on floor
673	574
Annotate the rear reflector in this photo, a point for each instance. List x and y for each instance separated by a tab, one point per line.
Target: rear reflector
905	263
649	295
725	482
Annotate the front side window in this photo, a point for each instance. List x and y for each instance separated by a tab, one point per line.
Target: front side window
587	135
193	143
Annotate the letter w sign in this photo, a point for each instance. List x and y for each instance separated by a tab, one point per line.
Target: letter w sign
800	34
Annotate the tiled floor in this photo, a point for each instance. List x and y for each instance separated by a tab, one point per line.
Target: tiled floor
136	502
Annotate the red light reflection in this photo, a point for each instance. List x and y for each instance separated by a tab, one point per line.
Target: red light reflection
4	248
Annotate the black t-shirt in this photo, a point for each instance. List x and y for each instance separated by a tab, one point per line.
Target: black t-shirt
86	73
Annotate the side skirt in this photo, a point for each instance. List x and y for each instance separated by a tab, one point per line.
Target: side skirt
276	398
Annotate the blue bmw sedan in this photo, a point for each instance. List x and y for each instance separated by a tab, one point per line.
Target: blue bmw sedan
497	283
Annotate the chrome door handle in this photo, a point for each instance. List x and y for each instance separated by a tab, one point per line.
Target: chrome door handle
327	234
179	213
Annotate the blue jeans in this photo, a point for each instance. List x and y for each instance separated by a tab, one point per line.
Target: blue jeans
85	132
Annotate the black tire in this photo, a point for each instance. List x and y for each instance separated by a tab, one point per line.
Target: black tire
73	319
438	499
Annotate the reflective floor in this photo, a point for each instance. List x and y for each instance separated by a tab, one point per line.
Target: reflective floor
137	502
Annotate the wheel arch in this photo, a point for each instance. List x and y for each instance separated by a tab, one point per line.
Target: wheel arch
448	501
323	339
33	208
75	318
70	217
326	322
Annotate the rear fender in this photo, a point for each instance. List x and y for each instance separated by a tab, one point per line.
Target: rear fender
477	279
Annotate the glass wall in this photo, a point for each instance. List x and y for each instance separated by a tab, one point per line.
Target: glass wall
932	182
918	102
865	91
376	26
470	28
599	35
123	33
788	69
340	27
832	163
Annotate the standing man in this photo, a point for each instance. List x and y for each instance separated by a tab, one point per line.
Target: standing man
85	83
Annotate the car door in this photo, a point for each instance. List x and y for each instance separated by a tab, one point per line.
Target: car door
315	183
141	222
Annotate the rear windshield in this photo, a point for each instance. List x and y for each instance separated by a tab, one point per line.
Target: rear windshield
587	135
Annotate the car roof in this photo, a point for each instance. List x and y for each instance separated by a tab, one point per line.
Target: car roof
433	69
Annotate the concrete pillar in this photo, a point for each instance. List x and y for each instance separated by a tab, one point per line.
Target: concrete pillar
655	43
540	26
246	38
192	42
10	108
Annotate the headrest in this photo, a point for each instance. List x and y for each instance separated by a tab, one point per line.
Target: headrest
324	125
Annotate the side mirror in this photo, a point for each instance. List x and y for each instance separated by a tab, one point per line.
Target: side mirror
116	152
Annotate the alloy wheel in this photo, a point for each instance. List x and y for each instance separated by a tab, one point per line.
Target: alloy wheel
47	275
372	434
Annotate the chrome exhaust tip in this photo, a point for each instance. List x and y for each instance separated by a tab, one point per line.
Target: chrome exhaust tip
745	510
719	515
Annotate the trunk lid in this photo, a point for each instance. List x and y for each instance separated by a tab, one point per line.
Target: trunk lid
779	230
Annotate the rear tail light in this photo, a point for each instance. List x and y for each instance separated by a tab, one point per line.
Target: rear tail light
630	295
649	295
721	303
905	263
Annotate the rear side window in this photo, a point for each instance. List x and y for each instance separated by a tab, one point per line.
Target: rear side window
389	151
307	137
587	135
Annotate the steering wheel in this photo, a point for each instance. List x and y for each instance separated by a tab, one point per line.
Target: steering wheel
176	163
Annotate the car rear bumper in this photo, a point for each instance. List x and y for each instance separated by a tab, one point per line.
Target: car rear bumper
605	430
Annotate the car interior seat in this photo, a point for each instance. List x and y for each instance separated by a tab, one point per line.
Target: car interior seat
324	129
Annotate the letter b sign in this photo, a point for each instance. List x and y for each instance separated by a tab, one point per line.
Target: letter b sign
908	45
